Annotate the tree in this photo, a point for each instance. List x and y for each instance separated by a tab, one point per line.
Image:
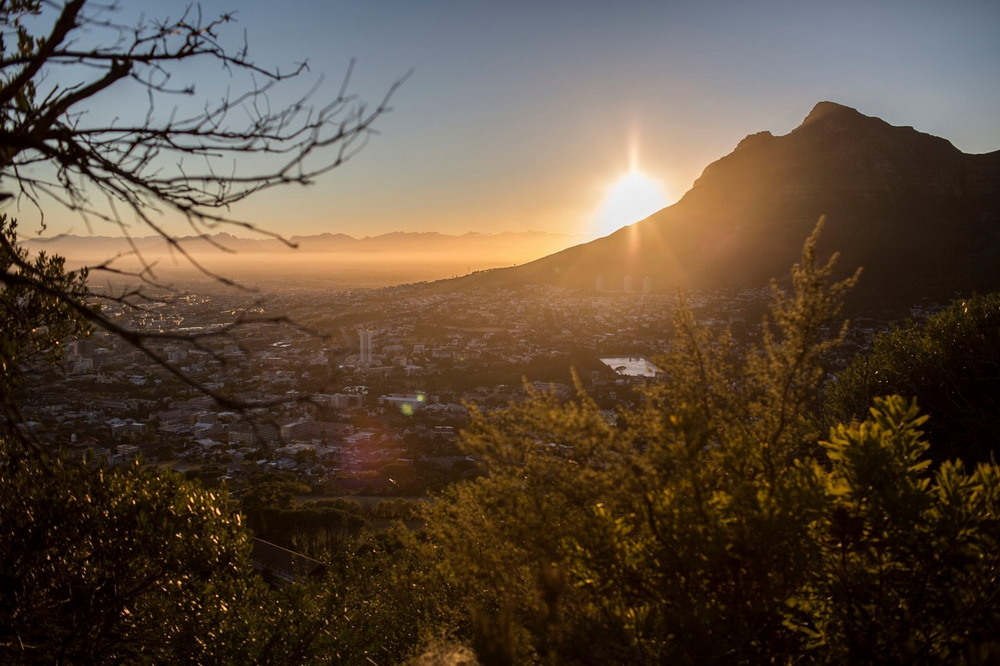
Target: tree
125	565
542	535
949	364
194	160
36	323
47	80
118	565
717	526
906	556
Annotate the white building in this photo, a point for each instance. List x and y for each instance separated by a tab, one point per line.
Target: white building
365	358
631	366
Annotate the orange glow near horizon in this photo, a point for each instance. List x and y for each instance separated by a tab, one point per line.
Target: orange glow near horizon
633	197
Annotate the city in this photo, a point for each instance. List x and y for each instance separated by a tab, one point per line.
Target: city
363	391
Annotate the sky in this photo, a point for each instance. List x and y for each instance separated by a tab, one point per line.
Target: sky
522	115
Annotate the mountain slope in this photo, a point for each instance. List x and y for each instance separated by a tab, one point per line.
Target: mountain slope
919	215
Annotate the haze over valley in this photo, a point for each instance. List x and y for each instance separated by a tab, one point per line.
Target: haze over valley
329	261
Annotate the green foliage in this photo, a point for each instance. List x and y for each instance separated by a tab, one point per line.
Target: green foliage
316	528
367	609
660	538
715	527
949	364
764	393
379	601
907	558
399	508
37	318
130	566
493	539
117	565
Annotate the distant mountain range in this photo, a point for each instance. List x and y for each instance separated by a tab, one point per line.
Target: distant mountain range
501	248
920	216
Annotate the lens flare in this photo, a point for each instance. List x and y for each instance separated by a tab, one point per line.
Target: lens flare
633	197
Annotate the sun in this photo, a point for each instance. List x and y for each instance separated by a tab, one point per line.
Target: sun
633	197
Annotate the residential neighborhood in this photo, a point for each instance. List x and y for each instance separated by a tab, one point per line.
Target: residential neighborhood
357	391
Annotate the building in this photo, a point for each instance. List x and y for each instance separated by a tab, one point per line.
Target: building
341	400
127	428
365	357
407	403
631	366
296	430
252	434
362	438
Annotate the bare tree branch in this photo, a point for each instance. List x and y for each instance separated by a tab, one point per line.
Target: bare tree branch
168	160
176	163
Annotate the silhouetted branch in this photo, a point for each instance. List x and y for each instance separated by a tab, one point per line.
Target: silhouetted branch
194	164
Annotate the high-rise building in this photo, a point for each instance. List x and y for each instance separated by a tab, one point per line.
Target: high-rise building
366	347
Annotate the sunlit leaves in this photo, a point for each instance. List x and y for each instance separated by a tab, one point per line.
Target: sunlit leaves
909	558
108	565
37	322
712	527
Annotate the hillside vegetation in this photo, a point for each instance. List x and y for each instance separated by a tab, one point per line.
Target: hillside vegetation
719	521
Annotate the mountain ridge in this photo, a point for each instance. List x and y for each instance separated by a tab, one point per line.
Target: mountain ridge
918	214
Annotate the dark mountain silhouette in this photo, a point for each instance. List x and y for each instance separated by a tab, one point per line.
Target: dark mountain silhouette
920	216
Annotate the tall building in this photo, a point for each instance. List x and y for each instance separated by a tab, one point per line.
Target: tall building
366	346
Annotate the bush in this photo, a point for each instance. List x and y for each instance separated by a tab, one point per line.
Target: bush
949	364
117	565
716	526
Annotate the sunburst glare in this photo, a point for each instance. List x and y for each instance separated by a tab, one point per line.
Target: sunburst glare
633	197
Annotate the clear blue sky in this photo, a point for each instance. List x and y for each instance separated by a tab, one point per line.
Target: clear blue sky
519	115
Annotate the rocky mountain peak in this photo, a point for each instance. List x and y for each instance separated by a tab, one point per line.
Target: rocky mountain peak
832	112
920	216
